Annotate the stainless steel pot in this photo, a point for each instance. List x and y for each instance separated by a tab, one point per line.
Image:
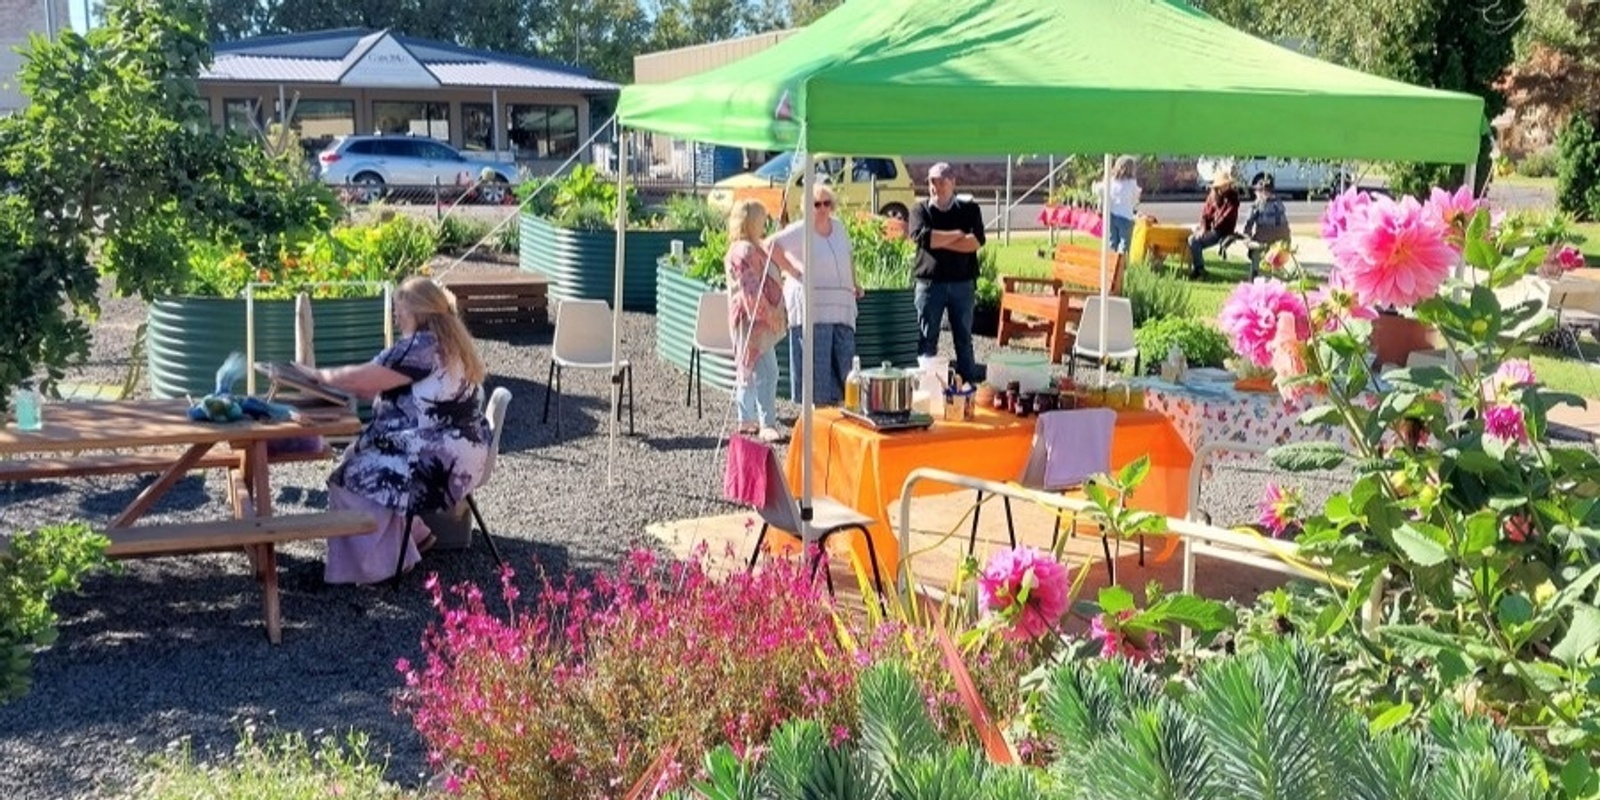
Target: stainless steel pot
887	390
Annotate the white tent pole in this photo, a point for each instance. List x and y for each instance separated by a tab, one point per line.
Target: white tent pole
1105	256
1471	184
807	359
616	303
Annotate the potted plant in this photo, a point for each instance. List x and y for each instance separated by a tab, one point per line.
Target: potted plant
568	234
192	331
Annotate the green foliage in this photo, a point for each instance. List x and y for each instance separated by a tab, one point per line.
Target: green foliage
285	767
705	262
385	251
508	239
1578	183
882	261
1202	344
456	234
116	157
35	567
583	199
1540	164
688	212
1155	296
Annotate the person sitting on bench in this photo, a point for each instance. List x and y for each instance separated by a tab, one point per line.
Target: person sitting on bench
1267	224
1218	219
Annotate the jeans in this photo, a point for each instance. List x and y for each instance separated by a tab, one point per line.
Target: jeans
1198	242
1120	233
836	346
757	395
958	297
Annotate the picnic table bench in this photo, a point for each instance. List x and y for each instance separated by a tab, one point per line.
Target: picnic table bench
1052	306
506	298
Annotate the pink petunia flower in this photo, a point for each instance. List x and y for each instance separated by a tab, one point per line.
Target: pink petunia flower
1250	317
1394	253
1505	422
1011	574
1280	509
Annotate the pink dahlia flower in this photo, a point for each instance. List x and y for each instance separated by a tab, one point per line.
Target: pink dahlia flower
1030	578
1515	372
1454	209
1505	422
1569	257
1335	303
1250	317
1114	641
1280	509
1345	205
1394	253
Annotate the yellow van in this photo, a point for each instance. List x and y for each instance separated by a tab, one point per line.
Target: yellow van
879	184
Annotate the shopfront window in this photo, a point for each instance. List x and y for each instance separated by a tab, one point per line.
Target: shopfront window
477	126
241	115
543	131
414	119
318	121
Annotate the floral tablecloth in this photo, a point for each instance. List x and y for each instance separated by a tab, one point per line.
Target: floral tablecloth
1216	412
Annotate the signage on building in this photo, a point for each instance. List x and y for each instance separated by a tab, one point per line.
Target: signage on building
388	63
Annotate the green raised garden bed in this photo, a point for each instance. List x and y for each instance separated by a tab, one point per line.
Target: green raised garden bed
582	264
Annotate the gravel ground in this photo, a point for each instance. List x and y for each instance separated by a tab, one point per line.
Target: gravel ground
169	648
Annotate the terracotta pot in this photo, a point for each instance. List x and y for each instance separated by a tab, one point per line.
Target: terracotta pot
1394	338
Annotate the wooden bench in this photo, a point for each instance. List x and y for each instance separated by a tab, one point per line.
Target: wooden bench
501	299
258	537
1053	306
82	466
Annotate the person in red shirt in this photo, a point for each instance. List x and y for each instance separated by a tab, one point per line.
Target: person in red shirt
1218	220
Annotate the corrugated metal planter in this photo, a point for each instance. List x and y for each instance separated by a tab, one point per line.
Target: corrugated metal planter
886	329
582	264
189	337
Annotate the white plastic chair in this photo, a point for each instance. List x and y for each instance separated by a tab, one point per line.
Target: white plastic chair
583	341
495	411
1087	433
712	334
1119	344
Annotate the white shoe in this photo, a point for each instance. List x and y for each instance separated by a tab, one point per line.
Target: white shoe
771	435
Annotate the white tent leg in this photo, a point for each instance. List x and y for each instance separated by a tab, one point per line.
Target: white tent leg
808	358
616	304
1470	183
1105	256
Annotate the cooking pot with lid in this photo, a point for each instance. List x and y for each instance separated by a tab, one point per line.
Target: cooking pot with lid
887	390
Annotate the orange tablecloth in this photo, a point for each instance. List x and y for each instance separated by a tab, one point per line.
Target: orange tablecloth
866	469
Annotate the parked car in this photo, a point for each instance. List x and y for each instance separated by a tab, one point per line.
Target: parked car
1289	176
851	177
370	164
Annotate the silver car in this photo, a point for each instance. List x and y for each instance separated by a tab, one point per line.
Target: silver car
370	164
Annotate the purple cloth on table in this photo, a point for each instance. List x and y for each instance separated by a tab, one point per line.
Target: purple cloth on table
1077	444
745	480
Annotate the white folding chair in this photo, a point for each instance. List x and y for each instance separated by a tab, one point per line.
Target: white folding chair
583	341
1118	345
1069	447
495	411
712	334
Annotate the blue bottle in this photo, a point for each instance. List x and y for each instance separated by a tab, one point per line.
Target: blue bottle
26	403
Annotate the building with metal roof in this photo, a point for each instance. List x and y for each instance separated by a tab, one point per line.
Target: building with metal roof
20	19
352	80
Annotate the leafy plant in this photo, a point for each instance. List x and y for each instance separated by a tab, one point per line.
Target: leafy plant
1154	297
882	261
36	567
704	262
285	767
1203	345
1539	164
456	234
385	251
1578	182
689	212
583	199
508	239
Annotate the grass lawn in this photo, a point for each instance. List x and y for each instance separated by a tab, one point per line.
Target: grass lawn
1590	231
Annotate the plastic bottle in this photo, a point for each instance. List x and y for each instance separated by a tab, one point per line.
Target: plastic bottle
26	404
852	386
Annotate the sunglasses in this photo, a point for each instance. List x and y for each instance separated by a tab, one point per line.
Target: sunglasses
822	204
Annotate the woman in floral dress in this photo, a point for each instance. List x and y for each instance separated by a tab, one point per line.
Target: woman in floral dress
756	316
428	440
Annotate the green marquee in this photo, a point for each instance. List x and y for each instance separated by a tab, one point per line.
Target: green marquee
984	77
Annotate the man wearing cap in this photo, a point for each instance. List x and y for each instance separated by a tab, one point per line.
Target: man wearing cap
947	233
1218	219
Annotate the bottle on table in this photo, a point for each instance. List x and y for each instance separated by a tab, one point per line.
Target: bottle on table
852	386
25	403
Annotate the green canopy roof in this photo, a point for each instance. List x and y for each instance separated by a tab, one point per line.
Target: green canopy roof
985	77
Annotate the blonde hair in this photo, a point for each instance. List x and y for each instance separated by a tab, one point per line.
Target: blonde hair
433	309
1123	169
747	221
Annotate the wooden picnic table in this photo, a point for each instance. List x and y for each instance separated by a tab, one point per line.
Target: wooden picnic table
165	440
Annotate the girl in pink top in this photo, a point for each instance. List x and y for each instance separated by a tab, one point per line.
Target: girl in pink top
756	315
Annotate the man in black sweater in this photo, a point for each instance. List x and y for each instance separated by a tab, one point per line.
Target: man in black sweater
948	233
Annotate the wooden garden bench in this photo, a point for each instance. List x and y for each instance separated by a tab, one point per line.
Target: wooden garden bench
501	299
1053	306
258	537
13	470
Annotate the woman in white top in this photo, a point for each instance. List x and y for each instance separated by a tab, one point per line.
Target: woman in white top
833	295
1125	193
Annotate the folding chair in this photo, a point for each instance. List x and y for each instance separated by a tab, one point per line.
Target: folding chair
496	414
779	510
712	334
583	341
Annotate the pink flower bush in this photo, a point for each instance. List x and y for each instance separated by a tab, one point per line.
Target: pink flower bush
1114	641
1506	423
1250	317
1389	252
1028	588
1280	509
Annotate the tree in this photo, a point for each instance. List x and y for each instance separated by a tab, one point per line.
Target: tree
682	23
1578	183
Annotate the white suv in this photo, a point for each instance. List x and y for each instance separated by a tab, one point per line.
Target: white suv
370	163
1289	176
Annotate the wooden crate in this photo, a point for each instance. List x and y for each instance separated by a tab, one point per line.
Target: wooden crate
501	299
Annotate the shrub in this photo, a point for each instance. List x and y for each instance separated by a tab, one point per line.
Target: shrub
705	261
688	212
286	767
1540	164
508	239
1202	343
35	567
459	234
386	251
1578	184
1154	296
882	262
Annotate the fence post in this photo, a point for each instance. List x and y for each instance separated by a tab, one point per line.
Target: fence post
438	207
